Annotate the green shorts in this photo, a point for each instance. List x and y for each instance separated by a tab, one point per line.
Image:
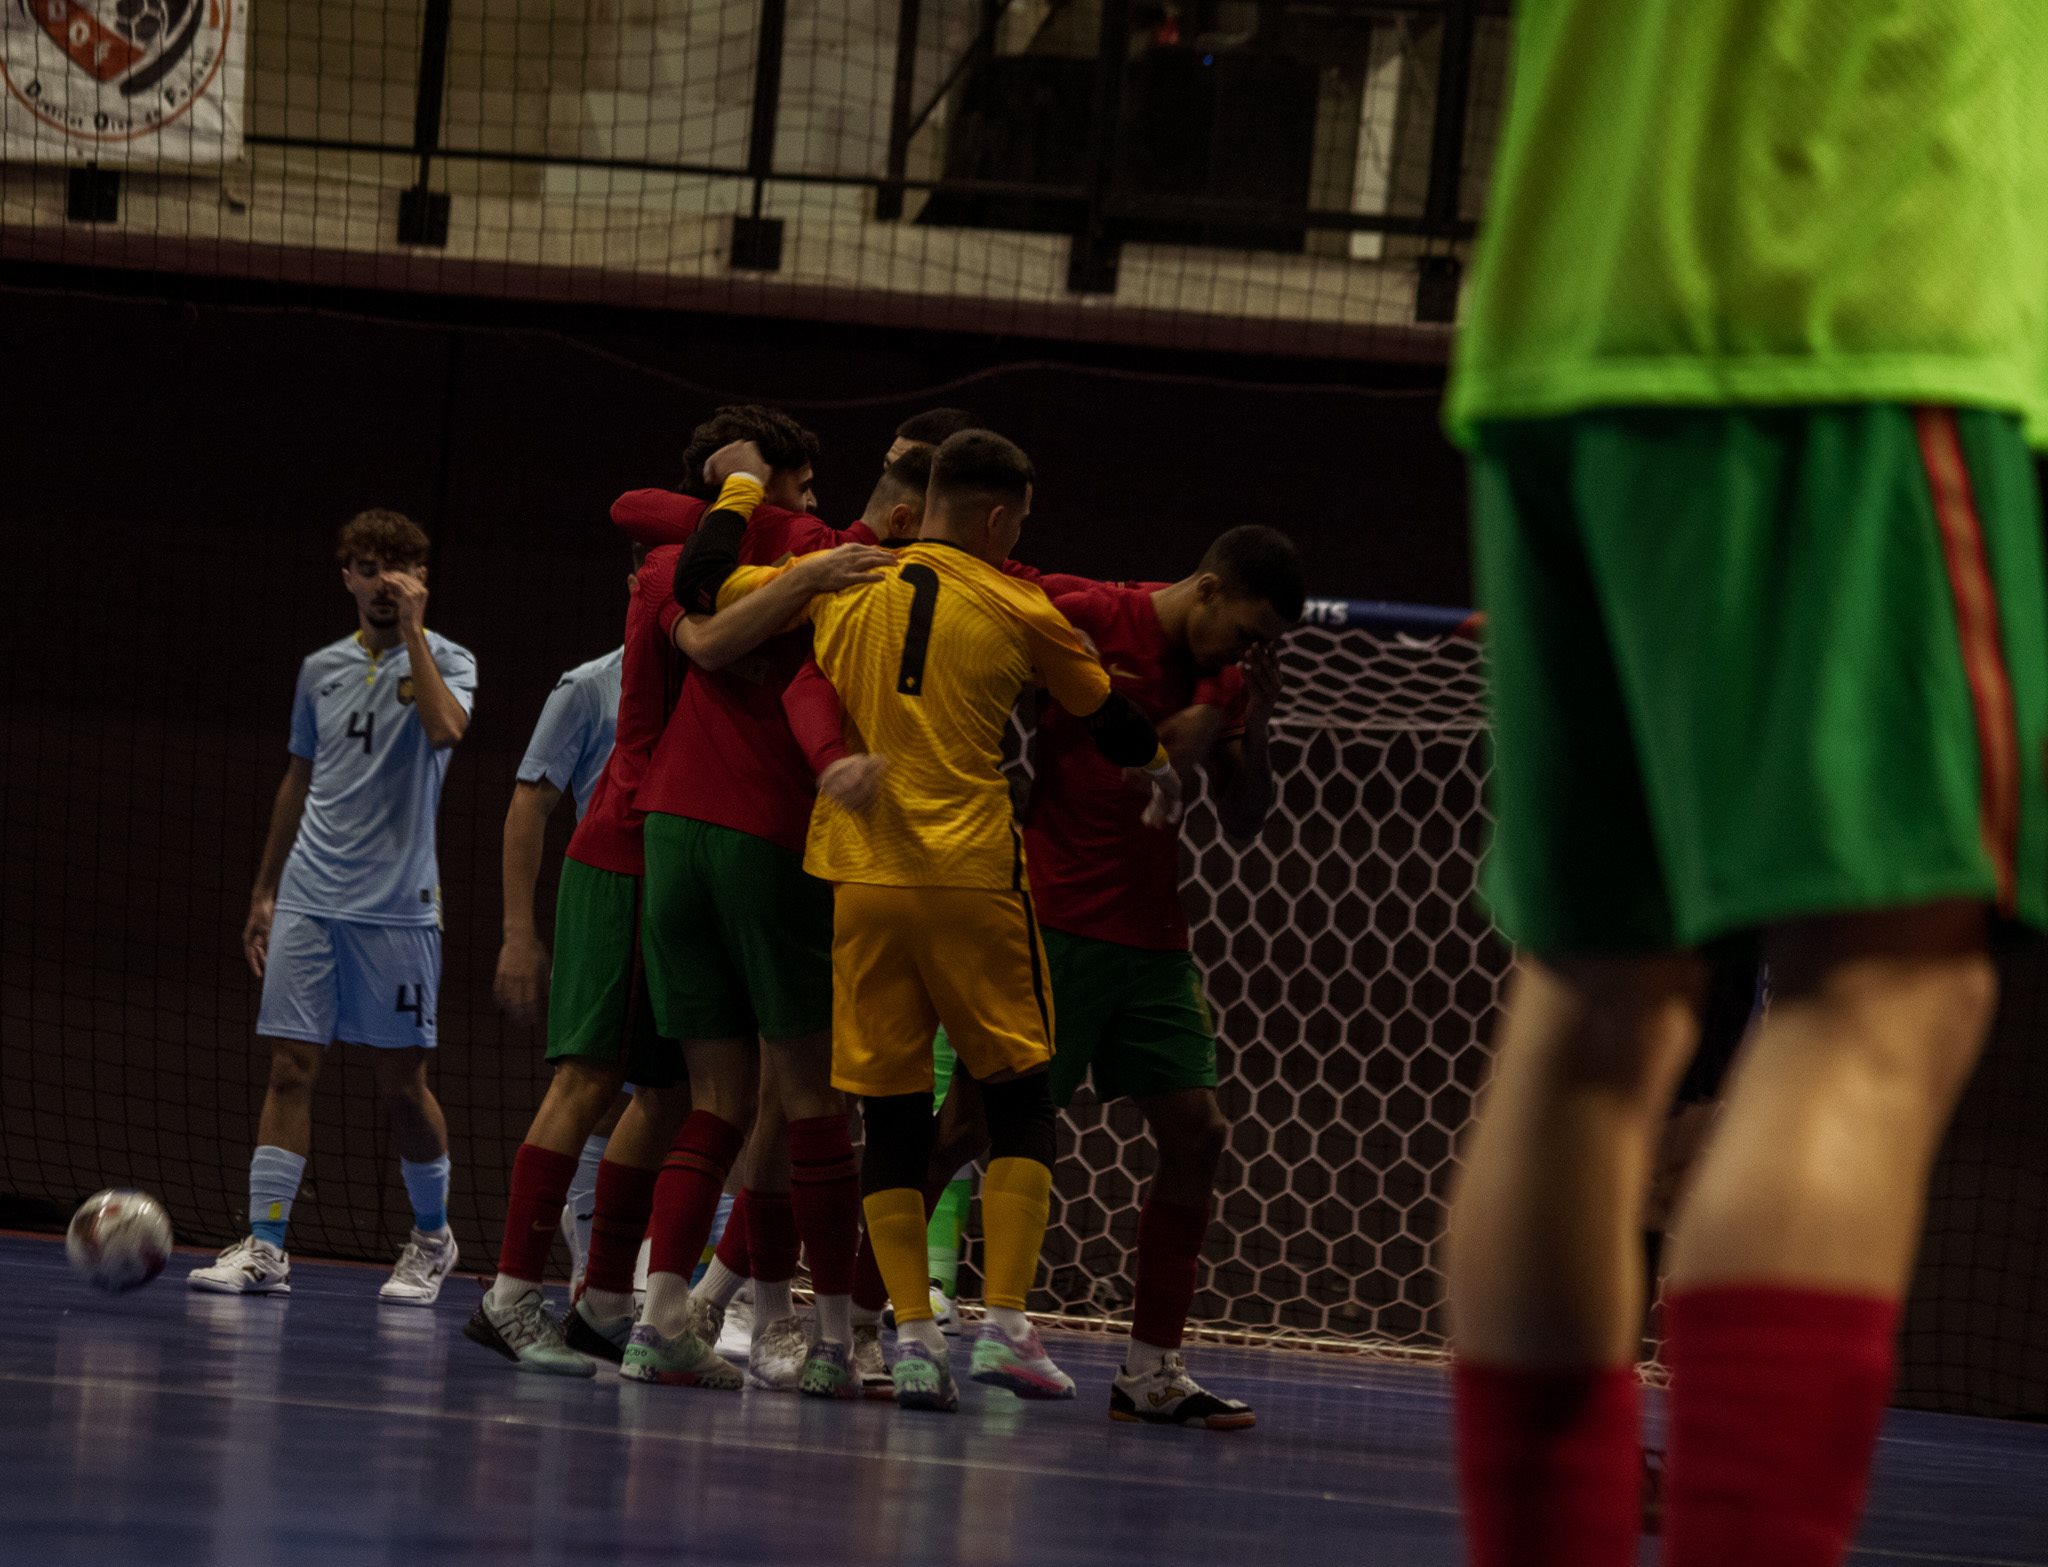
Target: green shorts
1760	663
737	937
597	994
1135	1018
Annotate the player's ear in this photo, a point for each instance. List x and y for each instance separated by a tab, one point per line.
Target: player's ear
902	521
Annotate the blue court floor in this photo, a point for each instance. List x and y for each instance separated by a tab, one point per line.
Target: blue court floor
167	1427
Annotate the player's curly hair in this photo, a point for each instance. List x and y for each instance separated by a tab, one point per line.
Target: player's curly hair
784	442
389	536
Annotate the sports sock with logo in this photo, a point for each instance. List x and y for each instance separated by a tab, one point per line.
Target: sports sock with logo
274	1176
533	1210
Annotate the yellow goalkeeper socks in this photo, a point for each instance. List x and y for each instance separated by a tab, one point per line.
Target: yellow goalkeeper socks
896	1230
1016	1199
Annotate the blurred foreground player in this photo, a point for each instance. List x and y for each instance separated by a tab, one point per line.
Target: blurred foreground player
933	920
344	925
1755	348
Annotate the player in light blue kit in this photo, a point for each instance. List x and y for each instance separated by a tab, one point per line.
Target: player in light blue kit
567	752
345	929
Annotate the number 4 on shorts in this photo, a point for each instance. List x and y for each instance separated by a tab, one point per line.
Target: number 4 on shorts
415	1003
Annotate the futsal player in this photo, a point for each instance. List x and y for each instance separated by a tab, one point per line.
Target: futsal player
344	924
737	944
1753	355
567	752
1126	992
601	1028
933	919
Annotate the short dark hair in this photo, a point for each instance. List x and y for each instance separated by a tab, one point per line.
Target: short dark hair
1259	563
935	425
391	536
784	442
911	474
980	463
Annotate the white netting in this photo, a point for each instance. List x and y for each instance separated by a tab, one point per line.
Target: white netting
1353	976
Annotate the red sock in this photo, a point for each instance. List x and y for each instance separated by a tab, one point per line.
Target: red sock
687	1192
824	1189
533	1210
732	1245
1777	1394
771	1236
618	1224
869	1292
1169	1258
1549	1466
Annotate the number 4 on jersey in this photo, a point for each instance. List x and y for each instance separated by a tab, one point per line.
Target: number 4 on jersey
368	720
415	1003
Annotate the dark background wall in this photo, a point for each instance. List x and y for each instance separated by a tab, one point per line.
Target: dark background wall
178	458
180	461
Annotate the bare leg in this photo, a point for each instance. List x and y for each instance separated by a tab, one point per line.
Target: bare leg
1544	1257
417	1124
1819	1169
287	1119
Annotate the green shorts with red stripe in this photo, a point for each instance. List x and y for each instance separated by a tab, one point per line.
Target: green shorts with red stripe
1753	664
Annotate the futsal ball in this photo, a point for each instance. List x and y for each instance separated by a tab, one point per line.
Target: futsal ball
119	1240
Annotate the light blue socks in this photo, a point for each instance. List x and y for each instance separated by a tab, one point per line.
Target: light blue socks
274	1176
427	1186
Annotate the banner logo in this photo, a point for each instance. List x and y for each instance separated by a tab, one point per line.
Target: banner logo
114	70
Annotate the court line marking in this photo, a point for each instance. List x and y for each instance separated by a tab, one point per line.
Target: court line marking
724	1439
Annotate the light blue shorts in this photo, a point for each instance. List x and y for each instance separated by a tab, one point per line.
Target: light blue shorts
361	984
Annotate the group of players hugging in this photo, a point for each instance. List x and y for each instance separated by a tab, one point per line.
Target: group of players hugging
800	877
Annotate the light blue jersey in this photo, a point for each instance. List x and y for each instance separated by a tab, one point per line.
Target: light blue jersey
574	735
365	847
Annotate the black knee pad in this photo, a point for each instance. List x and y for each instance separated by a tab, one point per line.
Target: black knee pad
1020	1119
898	1142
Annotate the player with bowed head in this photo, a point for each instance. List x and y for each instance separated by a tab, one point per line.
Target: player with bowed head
344	925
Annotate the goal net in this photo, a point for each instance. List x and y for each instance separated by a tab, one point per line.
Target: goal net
1352	974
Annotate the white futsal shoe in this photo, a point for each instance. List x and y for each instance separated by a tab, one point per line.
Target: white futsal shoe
249	1267
422	1267
735	1338
775	1360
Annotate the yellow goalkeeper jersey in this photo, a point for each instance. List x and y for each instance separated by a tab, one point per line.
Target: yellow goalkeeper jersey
929	663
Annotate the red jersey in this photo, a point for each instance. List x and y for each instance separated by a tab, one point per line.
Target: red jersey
727	756
650	677
1096	869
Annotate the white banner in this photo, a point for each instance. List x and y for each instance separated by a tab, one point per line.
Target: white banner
123	82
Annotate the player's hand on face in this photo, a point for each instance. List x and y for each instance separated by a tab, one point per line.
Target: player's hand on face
830	570
735	457
522	980
1263	682
1164	808
411	594
854	781
256	933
